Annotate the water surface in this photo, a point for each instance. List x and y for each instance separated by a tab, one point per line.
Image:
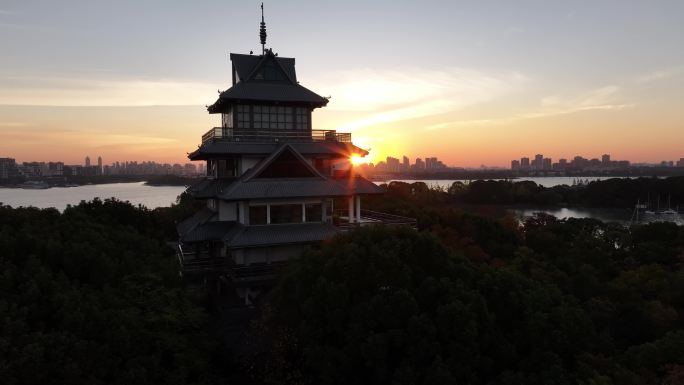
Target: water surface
138	193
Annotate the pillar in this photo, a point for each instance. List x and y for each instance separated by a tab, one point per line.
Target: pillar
351	209
358	208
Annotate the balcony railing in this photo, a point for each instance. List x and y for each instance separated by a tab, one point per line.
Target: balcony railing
201	263
223	134
369	217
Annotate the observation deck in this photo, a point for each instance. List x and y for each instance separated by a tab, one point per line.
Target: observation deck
223	134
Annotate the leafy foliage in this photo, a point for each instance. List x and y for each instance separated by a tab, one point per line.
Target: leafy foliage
472	299
92	295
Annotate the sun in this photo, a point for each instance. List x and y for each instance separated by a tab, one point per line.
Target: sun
357	160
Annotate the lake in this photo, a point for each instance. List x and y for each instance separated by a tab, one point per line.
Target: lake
59	197
548	181
162	196
622	216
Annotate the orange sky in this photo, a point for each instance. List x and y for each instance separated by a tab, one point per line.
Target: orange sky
473	84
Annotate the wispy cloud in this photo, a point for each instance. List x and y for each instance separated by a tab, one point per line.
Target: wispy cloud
13	124
603	98
78	91
395	95
654	76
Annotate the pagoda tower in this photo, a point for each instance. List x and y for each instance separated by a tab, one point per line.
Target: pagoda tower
273	185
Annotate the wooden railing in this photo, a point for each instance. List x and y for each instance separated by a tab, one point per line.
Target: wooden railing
224	134
369	217
193	263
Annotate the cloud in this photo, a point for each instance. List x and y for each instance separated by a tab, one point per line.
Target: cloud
394	95
603	98
87	92
13	124
653	76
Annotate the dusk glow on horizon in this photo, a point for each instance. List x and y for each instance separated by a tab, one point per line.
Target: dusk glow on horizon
470	83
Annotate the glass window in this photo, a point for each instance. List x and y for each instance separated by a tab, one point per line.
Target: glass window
313	212
243	116
290	213
273	117
302	117
257	215
226	167
227	120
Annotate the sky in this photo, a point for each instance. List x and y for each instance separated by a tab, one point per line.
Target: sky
471	82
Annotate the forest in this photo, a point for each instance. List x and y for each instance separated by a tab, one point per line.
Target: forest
614	192
92	295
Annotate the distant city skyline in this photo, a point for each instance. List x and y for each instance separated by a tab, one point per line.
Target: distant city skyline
471	83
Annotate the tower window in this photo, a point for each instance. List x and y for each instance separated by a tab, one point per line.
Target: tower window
273	117
243	116
302	115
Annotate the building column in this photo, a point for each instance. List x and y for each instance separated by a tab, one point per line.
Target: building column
358	208
351	209
268	213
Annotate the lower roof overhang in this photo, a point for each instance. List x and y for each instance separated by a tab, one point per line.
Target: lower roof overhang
218	149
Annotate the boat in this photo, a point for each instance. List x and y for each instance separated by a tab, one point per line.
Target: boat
34	185
669	210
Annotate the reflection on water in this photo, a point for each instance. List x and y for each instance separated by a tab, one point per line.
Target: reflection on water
59	197
623	216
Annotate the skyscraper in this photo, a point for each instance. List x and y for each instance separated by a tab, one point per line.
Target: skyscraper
87	161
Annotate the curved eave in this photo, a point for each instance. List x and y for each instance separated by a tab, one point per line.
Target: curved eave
217	149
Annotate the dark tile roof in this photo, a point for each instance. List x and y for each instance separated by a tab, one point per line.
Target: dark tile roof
212	231
200	217
266	235
209	188
245	64
207	150
263	91
271	188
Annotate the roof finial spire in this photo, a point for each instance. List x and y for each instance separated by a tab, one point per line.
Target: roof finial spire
262	31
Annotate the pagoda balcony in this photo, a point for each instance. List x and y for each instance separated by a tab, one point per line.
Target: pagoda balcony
193	263
368	217
223	134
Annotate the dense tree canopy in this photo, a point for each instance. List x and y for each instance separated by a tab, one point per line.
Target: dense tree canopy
478	300
92	295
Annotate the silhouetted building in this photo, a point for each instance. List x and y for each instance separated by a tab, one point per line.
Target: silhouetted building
271	179
525	163
9	169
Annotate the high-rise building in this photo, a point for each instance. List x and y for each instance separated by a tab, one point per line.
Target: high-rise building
515	165
538	161
406	164
525	163
87	161
9	168
605	159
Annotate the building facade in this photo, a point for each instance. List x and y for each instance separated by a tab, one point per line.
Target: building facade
274	185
